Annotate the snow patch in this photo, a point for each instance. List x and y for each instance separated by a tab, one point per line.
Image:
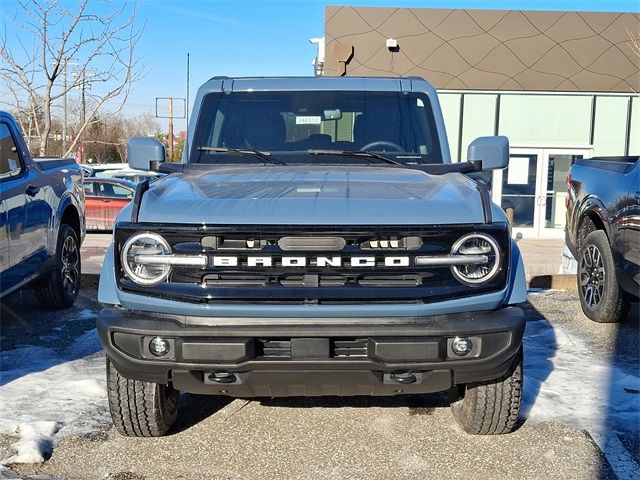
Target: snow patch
52	393
36	442
85	315
566	381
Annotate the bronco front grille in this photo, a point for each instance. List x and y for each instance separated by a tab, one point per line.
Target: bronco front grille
306	264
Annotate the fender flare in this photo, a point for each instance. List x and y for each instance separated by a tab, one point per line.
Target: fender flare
66	201
517	292
592	206
107	289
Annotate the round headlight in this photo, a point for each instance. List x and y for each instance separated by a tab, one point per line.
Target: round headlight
484	256
149	273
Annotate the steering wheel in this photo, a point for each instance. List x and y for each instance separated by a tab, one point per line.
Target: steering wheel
382	143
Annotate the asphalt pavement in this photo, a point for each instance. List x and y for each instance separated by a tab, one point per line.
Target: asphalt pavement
343	438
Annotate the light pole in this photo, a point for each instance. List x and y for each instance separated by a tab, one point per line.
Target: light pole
171	116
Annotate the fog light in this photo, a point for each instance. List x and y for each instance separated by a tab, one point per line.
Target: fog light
159	346
461	346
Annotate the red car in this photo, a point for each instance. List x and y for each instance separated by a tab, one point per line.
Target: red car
104	198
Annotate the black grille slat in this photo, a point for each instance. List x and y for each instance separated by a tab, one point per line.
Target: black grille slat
276	348
390	280
237	280
349	348
340	347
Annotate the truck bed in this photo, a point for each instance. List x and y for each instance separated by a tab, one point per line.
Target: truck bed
47	164
615	164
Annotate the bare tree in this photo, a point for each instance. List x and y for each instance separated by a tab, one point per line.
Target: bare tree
107	140
56	36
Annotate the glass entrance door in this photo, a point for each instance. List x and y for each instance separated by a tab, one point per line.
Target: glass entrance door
532	190
519	193
553	196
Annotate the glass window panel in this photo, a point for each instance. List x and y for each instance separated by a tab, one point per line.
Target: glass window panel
519	189
478	119
611	126
279	121
122	192
450	104
88	189
556	194
634	138
9	160
545	120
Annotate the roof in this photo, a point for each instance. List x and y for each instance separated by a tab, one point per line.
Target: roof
243	84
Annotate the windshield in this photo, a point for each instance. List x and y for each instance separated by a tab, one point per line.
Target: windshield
288	125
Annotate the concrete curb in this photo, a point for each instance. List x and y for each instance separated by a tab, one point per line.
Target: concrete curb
556	282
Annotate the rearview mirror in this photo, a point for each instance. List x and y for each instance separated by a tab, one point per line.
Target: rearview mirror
335	114
145	153
491	152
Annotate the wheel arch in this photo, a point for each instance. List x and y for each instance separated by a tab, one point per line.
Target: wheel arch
592	218
70	216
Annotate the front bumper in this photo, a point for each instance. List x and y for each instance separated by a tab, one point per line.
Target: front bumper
277	357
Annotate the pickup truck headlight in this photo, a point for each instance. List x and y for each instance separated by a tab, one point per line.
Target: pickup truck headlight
476	245
136	253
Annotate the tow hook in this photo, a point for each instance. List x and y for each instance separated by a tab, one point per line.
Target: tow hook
222	377
403	378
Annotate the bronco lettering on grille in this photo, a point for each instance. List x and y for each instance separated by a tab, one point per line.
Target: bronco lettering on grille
299	261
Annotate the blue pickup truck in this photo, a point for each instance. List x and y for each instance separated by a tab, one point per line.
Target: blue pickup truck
41	221
315	240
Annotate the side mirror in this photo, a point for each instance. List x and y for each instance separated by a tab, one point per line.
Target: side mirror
491	152
145	153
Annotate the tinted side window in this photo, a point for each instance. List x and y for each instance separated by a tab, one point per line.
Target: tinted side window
88	189
10	164
113	191
121	192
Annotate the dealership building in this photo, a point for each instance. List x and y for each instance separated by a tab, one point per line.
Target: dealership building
560	85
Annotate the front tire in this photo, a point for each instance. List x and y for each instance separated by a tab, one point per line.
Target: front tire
140	409
489	408
61	285
601	298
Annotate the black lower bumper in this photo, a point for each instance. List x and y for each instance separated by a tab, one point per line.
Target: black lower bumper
256	357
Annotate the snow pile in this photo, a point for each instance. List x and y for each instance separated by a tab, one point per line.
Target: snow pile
36	440
49	393
567	381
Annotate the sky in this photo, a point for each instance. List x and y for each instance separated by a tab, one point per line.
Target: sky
259	37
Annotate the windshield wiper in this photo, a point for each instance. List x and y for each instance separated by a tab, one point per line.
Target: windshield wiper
357	153
266	156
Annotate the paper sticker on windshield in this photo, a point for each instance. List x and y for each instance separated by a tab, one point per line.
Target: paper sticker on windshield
308	120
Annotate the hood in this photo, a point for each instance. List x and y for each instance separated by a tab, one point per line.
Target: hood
304	195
